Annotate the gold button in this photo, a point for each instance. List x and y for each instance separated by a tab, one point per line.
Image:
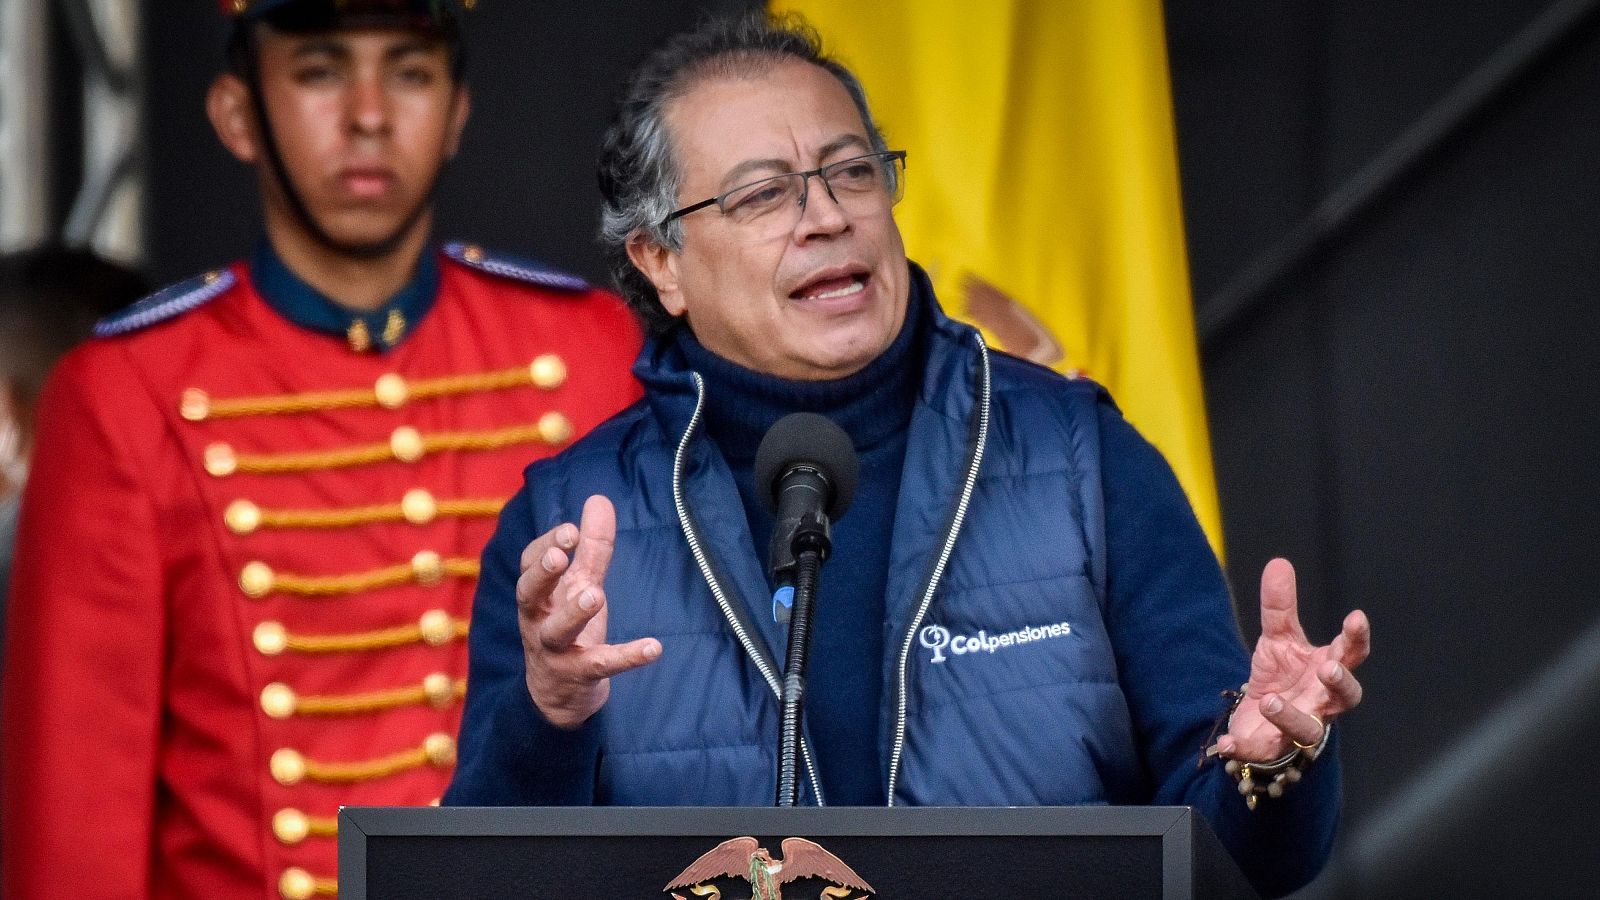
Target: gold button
418	506
195	405
440	688
288	767
242	517
256	580
548	371
271	638
440	748
278	700
472	253
297	884
392	391
437	627
290	826
427	567
212	276
554	428
220	461
406	444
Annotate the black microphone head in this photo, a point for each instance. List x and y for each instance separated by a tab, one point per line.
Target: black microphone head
804	438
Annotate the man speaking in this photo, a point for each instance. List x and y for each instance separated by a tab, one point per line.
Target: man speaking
1019	607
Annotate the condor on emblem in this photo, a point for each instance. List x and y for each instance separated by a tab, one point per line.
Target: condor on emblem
743	859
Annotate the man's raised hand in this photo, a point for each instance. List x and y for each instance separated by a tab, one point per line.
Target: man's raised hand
1295	687
561	609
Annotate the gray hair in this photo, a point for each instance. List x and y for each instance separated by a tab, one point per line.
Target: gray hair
639	177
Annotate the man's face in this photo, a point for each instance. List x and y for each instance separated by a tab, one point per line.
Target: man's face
363	120
818	301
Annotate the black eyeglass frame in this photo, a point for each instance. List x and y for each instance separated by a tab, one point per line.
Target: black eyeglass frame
889	157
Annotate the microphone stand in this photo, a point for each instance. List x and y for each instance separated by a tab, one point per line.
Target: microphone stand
808	468
810	545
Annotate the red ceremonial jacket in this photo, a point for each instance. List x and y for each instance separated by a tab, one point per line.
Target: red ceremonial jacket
246	561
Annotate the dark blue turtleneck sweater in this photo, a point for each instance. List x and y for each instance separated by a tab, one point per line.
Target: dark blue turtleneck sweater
844	677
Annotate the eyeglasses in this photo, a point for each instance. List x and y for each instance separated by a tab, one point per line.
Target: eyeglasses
762	210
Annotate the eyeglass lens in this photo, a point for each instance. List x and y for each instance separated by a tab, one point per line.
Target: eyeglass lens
767	208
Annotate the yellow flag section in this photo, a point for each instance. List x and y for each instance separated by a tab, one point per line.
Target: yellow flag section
1042	189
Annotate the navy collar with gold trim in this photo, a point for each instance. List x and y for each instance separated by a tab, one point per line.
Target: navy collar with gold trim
375	330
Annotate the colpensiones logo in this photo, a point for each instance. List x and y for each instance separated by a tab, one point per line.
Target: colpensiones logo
938	637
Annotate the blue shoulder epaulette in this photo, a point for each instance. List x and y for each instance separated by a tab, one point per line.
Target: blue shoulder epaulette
166	303
474	257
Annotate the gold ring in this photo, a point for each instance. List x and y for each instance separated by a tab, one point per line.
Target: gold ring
1312	746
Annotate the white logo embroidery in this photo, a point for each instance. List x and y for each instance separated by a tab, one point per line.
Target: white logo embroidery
935	637
938	637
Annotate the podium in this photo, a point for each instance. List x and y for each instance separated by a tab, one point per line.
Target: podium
1107	853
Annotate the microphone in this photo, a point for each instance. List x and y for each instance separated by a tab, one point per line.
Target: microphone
806	470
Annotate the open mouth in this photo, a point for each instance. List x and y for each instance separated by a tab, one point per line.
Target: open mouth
833	285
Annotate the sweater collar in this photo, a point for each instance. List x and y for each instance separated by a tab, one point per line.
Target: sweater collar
377	330
870	405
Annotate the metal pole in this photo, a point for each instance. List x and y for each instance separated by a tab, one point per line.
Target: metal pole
24	123
108	211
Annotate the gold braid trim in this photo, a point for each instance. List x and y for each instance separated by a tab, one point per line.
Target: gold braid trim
490	440
487	507
349	773
354	398
322	826
291	403
266	463
366	454
366	515
381	639
298	884
445	386
374	701
371	770
359	582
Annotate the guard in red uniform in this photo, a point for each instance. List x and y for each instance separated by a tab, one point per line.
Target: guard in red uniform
249	544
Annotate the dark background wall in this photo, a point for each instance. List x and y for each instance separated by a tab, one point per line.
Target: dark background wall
1409	415
1412	416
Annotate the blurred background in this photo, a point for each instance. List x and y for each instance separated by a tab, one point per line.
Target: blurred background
1392	215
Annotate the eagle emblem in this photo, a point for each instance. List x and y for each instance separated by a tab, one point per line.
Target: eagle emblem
1018	330
744	858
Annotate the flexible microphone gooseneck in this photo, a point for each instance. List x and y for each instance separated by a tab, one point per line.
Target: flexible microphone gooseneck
806	471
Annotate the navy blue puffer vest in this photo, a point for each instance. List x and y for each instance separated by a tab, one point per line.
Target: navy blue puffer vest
1000	685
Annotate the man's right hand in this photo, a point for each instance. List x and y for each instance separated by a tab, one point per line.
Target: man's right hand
561	608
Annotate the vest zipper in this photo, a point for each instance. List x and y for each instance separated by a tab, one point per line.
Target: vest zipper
769	674
939	567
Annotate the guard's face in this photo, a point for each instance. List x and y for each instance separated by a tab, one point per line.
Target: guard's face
818	301
363	119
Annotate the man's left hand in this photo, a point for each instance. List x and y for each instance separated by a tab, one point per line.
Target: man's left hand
1295	688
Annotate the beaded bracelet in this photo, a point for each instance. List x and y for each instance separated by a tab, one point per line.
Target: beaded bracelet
1269	778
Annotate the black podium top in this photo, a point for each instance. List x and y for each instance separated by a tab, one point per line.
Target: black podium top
1162	853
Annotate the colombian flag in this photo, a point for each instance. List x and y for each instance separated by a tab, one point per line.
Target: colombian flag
1042	189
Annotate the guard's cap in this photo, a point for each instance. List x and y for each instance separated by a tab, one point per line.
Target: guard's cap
348	13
